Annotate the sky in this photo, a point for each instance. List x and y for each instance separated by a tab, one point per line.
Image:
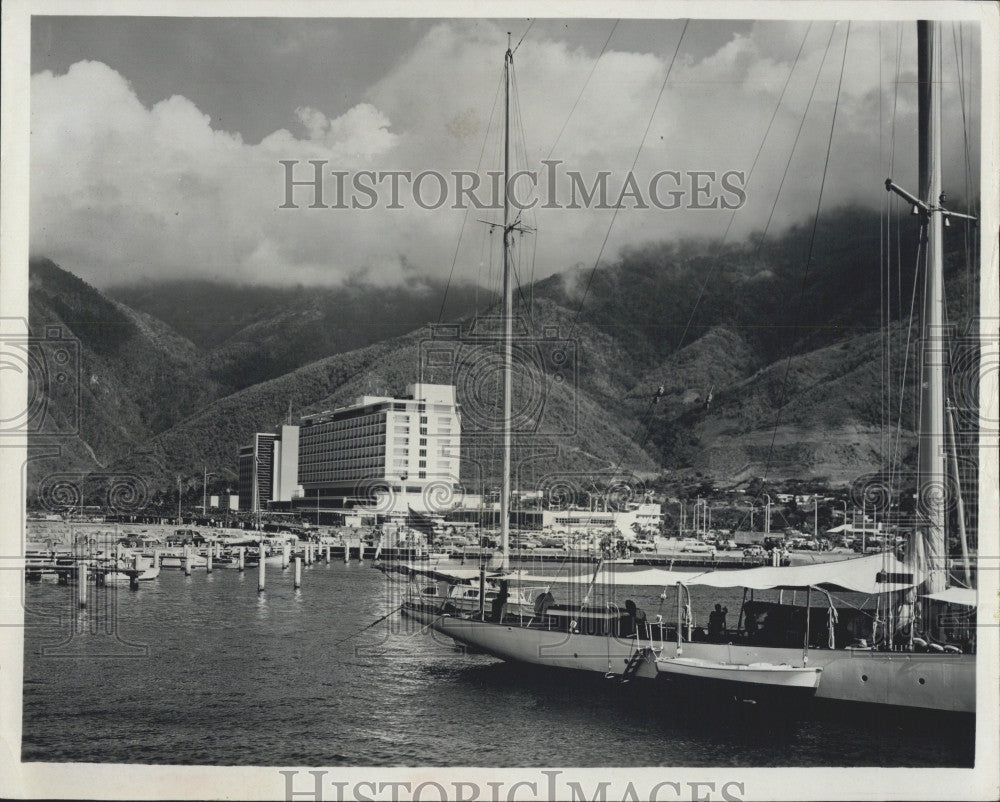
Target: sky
157	143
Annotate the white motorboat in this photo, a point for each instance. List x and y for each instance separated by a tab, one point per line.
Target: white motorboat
144	575
177	561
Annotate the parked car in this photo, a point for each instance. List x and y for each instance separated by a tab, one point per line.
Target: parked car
696	546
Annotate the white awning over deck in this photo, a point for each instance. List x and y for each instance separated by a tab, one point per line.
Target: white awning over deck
875	573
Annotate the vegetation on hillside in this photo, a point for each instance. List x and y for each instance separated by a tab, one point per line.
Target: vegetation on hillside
769	361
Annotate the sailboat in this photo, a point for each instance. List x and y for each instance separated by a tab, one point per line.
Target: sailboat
776	648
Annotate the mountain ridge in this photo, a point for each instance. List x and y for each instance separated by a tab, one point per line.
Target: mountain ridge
787	349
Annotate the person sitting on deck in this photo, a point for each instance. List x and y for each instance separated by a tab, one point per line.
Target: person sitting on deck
905	620
543	602
634	620
500	601
717	624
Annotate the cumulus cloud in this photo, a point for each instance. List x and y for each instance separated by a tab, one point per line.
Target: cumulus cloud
121	190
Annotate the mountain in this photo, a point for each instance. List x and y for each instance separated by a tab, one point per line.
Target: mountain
782	337
564	428
787	294
127	375
817	414
249	334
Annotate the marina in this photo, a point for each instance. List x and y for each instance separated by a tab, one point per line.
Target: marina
567	478
272	681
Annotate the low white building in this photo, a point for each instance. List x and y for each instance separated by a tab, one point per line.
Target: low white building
646	516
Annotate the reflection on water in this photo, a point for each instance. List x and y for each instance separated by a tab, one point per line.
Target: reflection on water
205	669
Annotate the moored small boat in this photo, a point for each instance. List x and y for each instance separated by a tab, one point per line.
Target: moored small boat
144	575
177	561
746	682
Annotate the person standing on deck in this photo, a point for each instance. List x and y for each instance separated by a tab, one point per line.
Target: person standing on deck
500	602
717	624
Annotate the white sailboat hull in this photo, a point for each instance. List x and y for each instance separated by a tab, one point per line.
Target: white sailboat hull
544	647
943	682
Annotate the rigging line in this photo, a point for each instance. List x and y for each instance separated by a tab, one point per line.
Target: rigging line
906	359
618	207
812	241
531	277
533	220
520	288
960	69
795	143
519	126
648	414
485	244
899	258
725	237
895	98
582	90
732	217
378	620
465	217
520	151
530	23
883	273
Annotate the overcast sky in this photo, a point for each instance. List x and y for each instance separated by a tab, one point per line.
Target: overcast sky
156	142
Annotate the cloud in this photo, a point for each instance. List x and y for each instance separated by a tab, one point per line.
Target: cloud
120	190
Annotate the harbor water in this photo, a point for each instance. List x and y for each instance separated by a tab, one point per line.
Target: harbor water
203	669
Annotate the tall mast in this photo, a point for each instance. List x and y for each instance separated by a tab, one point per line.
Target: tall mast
928	552
508	323
931	477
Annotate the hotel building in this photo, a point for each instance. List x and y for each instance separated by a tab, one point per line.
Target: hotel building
382	456
276	458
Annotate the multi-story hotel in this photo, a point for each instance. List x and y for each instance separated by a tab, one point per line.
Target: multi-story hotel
273	459
382	455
